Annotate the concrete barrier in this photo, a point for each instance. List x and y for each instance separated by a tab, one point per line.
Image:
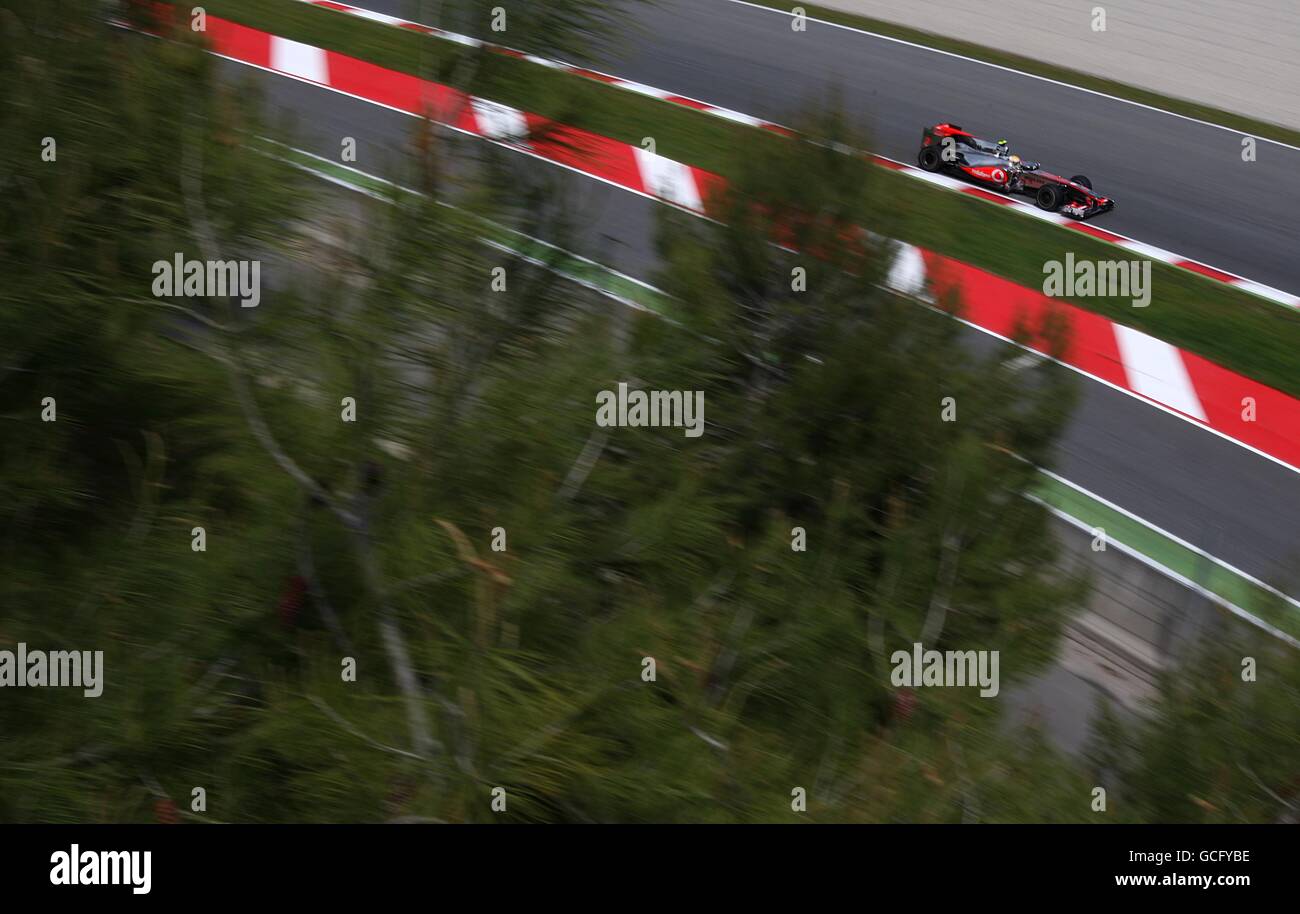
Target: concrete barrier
1236	55
1135	624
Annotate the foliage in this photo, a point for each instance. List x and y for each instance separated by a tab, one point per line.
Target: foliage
369	541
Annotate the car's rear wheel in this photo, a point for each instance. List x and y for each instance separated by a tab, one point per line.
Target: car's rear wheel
930	158
1050	197
1082	179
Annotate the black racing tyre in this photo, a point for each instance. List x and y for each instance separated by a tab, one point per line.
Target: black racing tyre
930	158
1050	197
1082	179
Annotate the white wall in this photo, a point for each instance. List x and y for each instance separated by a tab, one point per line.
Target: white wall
1238	55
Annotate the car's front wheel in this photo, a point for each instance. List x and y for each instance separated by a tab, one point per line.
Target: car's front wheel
1082	180
930	158
1050	197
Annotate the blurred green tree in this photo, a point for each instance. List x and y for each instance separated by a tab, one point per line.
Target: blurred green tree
496	566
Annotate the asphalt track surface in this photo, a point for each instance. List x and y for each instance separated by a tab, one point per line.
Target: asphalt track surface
1235	505
1179	184
1208	491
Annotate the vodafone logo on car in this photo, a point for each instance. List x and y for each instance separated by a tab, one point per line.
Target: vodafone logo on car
991	173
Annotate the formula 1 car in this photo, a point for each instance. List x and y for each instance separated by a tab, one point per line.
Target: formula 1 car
946	147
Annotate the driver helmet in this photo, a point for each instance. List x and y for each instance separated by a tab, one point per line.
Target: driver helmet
1002	147
1015	160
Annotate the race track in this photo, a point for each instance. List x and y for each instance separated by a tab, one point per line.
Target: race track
1206	490
1180	185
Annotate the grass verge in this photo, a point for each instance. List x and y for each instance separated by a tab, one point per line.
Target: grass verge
1247	334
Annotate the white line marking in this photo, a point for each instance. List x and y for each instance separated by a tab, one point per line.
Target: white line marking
941	180
998	66
907	274
1153	253
1276	295
668	179
460	39
1044	215
1025	360
299	60
1155	369
372	15
643	89
735	116
500	122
